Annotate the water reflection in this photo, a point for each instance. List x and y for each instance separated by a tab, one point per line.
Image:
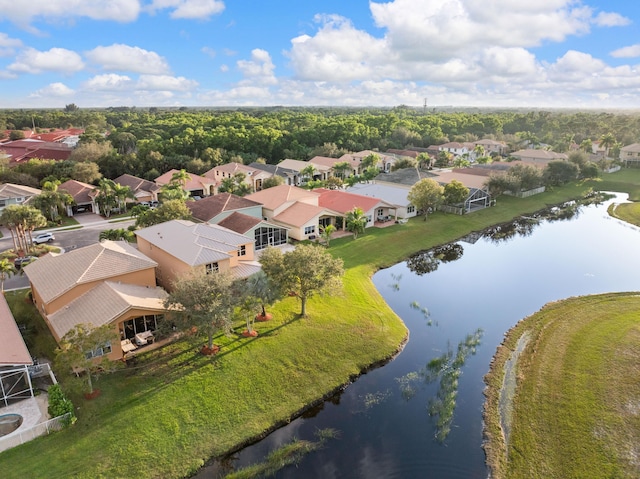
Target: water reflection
428	261
446	368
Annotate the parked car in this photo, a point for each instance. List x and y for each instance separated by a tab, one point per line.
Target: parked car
23	261
44	238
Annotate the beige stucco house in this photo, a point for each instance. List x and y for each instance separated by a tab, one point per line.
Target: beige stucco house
181	247
105	283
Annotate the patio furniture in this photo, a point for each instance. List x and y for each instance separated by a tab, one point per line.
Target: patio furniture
127	346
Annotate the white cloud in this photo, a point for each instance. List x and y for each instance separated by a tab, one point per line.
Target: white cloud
192	9
607	19
631	51
108	82
53	89
8	45
224	68
58	60
260	68
51	10
210	52
120	57
165	82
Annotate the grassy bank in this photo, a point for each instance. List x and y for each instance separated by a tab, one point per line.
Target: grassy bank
167	414
575	412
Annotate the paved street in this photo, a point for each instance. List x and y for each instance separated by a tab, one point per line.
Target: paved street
89	233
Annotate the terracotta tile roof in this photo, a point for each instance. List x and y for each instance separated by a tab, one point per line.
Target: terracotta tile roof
55	274
231	169
633	148
533	154
57	135
194	244
298	214
239	222
343	202
13	350
195	182
27	149
409	153
104	303
470	181
211	206
324	161
274	197
80	191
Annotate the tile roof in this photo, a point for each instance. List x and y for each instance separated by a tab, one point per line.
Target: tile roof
239	222
324	161
534	154
24	150
231	169
194	244
632	148
299	165
343	202
470	181
13	350
54	274
104	303
9	190
80	191
136	184
274	169
299	214
274	197
195	182
211	206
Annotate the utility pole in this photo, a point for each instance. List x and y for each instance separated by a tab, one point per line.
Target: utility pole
424	109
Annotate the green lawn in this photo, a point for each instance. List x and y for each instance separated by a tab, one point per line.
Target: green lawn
575	408
167	414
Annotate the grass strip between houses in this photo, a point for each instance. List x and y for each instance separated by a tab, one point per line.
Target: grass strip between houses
166	415
576	410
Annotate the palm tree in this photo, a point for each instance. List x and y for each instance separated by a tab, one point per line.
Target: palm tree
356	221
106	198
122	193
180	177
340	169
478	151
326	233
6	271
587	145
608	141
307	172
51	201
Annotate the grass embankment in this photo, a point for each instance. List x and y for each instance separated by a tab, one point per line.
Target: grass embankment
172	411
576	411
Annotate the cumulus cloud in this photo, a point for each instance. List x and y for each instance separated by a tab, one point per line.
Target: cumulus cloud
58	60
165	82
8	45
51	10
53	89
120	57
606	19
260	68
631	51
191	9
108	82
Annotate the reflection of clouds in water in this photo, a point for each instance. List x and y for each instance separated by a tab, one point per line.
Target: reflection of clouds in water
374	464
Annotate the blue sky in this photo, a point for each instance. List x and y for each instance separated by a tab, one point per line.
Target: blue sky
487	53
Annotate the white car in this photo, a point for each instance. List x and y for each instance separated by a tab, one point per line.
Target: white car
44	238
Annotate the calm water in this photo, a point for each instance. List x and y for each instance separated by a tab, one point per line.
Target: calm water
394	422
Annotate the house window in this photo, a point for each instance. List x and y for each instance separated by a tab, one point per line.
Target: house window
411	209
20	200
211	268
99	351
309	230
242	251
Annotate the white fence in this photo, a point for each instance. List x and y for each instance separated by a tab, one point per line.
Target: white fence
44	428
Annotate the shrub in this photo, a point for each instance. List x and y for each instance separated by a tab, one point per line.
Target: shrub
59	405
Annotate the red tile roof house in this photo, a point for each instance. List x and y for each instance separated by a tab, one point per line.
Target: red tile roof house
296	209
143	190
196	185
375	209
21	151
253	177
241	215
104	283
322	172
385	163
83	195
326	162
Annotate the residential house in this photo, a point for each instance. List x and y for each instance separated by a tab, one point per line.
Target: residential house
181	247
143	190
253	177
196	186
296	209
83	195
630	154
289	176
105	283
241	215
326	162
492	147
456	148
11	194
385	161
322	172
536	156
478	197
395	195
21	151
15	359
343	202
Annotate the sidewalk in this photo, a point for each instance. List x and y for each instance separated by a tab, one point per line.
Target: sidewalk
87	220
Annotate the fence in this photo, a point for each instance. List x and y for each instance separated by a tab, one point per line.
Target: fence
41	429
456	210
526	194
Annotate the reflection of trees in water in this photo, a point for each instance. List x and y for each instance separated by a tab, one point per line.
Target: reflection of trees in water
428	261
447	368
396	278
519	227
425	312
